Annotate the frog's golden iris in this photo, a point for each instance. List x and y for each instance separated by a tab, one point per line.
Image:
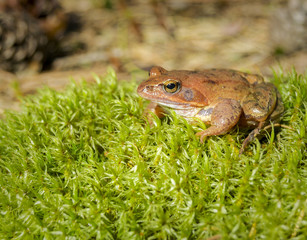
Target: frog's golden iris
171	86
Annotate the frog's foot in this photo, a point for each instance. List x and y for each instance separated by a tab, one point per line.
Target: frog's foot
251	136
225	116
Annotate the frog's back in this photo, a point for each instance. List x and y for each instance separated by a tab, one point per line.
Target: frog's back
219	83
222	75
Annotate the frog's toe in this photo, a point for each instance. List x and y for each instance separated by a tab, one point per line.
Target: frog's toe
211	131
202	135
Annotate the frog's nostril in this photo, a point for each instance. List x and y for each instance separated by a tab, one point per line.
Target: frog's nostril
148	89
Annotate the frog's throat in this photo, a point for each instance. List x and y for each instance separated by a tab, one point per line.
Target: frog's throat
203	114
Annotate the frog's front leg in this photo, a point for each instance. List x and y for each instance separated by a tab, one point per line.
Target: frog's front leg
156	109
225	116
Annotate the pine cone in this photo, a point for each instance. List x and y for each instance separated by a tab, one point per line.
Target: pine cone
32	31
36	8
21	41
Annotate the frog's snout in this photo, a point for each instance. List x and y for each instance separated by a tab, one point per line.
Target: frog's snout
148	89
145	89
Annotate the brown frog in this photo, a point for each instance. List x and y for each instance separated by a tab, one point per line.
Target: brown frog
220	97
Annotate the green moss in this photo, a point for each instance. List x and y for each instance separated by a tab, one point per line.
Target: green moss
83	163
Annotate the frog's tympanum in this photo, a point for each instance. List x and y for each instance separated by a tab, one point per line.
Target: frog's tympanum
219	97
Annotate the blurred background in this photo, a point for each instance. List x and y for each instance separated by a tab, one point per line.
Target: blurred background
45	42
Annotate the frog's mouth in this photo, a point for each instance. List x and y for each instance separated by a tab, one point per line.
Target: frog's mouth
173	105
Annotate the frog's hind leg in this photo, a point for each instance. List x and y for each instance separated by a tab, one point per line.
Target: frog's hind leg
260	103
253	78
225	116
279	109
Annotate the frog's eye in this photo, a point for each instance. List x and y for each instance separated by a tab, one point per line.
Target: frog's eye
171	86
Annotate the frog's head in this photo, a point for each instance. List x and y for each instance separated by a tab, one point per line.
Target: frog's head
172	89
